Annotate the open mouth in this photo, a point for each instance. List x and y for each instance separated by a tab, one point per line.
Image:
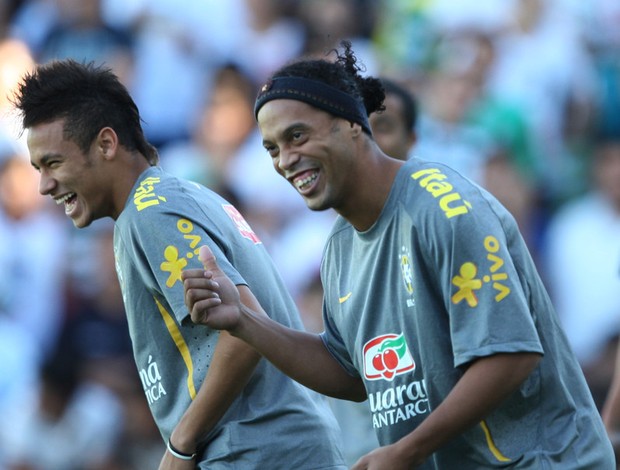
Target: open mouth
69	200
304	183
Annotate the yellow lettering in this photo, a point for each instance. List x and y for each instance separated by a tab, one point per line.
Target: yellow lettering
145	191
491	244
150	181
497	262
195	239
185	226
450	212
432	182
434	177
140	205
503	291
438	189
419	174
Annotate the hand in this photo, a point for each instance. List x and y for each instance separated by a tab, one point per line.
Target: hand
211	297
383	458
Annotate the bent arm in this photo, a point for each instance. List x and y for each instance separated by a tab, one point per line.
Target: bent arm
299	354
213	300
230	370
483	386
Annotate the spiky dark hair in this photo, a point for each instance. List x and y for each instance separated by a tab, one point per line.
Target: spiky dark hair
88	97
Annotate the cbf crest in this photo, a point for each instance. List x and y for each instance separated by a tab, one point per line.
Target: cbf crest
406	270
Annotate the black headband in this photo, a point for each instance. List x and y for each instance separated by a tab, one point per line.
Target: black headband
317	94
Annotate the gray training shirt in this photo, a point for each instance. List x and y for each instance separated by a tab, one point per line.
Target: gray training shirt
158	234
442	278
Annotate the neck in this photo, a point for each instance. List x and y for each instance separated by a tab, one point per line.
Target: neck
127	177
374	186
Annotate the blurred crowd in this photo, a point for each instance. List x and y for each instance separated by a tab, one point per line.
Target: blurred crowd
522	96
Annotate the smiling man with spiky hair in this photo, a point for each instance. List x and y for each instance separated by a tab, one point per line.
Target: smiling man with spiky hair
216	403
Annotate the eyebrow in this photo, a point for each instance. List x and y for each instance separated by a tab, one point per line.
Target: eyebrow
46	158
287	132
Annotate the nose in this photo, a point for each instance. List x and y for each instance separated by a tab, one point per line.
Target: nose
46	184
287	160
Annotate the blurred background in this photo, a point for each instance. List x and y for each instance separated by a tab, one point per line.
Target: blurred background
522	96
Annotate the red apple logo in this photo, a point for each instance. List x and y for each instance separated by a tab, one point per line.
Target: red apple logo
387	356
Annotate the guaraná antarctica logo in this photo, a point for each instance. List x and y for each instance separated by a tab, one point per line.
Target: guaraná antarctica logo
387	356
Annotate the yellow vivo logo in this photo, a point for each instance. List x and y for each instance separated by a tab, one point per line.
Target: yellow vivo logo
469	281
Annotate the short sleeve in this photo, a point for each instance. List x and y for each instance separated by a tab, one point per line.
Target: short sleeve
166	243
484	275
335	345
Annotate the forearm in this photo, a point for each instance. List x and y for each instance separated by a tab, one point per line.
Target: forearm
485	384
213	300
231	368
299	354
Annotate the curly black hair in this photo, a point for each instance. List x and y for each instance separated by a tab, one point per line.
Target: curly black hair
342	74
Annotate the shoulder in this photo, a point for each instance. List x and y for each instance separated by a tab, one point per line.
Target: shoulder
157	193
439	200
341	230
157	203
435	188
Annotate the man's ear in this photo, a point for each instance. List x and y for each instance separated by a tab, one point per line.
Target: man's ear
356	129
107	142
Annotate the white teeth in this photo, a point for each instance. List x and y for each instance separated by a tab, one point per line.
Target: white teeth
62	200
306	181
